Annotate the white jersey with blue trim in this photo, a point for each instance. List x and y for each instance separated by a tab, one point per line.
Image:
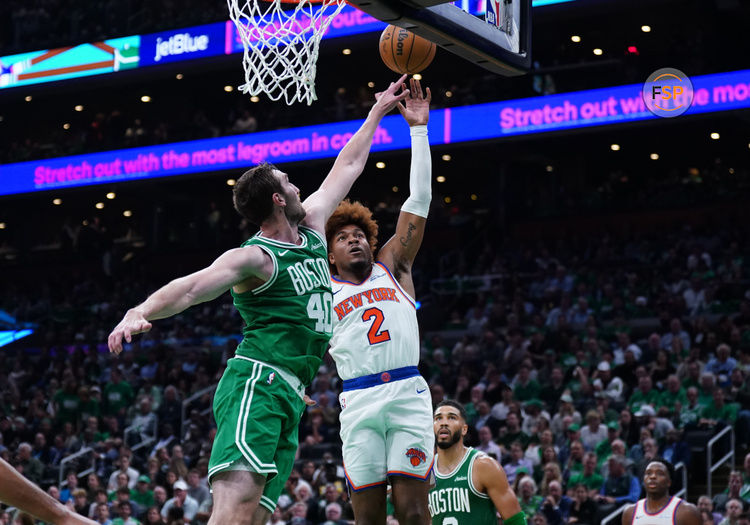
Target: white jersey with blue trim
664	516
374	325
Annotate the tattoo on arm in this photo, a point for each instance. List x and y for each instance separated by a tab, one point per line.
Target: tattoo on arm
405	240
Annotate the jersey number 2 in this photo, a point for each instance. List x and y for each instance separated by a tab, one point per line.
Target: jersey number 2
374	335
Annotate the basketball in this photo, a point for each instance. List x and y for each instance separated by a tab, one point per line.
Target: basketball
405	52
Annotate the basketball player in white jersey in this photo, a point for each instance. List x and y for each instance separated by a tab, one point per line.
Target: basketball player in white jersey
386	408
658	507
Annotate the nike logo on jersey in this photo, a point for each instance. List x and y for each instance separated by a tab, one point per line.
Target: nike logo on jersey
420	391
337	291
281	254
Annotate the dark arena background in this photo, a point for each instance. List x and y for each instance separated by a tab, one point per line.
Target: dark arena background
586	267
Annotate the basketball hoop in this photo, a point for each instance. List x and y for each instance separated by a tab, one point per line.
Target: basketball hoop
281	40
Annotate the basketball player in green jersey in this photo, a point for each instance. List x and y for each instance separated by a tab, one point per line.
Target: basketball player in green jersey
281	286
470	487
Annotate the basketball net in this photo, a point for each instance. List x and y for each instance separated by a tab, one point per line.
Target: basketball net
281	45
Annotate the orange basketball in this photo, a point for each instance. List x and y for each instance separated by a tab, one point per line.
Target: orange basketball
405	52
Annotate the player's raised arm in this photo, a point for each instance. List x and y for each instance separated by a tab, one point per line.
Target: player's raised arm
490	478
351	160
19	492
399	252
232	267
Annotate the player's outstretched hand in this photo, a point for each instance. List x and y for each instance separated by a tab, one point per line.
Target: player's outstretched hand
309	401
416	107
388	99
133	323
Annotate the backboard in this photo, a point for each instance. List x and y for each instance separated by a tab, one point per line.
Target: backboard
500	43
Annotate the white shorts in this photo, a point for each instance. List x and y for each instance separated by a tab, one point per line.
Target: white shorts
387	431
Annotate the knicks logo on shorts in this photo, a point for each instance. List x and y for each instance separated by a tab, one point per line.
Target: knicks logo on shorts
416	456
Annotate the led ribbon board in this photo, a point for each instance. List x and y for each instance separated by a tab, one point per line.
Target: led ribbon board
580	109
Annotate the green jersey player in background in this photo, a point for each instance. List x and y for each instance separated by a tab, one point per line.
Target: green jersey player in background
470	487
281	286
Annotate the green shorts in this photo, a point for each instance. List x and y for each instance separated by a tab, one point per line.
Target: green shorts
257	414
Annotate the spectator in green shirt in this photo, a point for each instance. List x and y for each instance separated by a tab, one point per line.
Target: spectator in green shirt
673	398
604	448
118	394
643	395
719	411
525	387
142	493
512	432
67	402
529	499
589	476
692	411
706	389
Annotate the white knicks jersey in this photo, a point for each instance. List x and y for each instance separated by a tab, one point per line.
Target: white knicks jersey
374	325
664	516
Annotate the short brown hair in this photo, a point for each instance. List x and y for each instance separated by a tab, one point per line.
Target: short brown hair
253	191
354	213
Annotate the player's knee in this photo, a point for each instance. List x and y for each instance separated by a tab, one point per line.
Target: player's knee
413	513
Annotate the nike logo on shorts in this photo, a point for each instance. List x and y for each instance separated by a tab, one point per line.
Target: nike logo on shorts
420	391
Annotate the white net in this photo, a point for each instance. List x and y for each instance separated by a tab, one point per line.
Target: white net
281	42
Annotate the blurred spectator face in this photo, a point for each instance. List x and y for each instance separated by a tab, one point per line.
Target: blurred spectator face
625	417
649	448
581	493
40	441
483	408
72	481
590	462
527	488
692	395
722	352
705	503
299	510
512	421
556	375
171	477
718	396
124	510
333	512
539	519
302	493
331	494
576	450
735	482
549	455
80	500
516	451
102	512
54	492
734	509
644	384
477	393
673	384
160	495
485	435
746	464
555	490
153	515
193	479
180	495
707	381
122	480
616	468
177	452
92	481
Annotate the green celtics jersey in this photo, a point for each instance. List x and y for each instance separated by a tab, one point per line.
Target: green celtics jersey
455	501
288	318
